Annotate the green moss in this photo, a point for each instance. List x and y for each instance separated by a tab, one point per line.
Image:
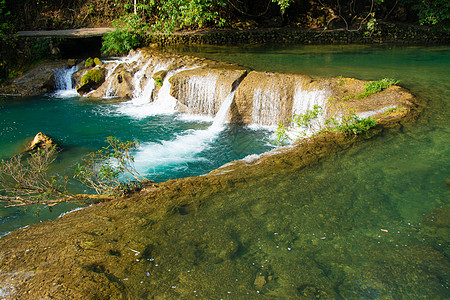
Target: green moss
93	76
89	63
98	62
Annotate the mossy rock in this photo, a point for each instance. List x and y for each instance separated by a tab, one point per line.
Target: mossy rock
89	63
98	62
92	62
159	76
91	80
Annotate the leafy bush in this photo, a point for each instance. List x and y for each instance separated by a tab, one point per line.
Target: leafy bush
105	170
431	12
129	33
282	136
25	179
351	124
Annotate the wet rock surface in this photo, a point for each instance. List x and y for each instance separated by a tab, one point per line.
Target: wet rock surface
37	81
41	141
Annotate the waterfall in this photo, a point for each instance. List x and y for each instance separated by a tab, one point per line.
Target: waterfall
200	92
306	100
111	67
266	107
153	158
63	82
137	80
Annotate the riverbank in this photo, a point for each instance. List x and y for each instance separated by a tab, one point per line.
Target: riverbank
383	33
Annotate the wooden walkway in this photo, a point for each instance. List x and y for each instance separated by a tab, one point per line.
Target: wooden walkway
69	33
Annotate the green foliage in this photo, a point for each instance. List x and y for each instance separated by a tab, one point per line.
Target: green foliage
377	86
299	120
89	62
283	4
120	41
304	120
430	12
25	179
351	124
158	81
282	136
93	76
129	33
105	171
173	14
371	26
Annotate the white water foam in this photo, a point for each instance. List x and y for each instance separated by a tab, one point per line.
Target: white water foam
141	107
63	82
200	92
304	101
266	107
153	158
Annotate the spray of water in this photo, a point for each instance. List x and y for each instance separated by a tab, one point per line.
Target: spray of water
63	82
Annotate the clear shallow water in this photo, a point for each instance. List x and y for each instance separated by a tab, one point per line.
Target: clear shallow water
369	223
81	126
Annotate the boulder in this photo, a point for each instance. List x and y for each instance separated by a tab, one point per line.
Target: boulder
91	80
41	141
118	84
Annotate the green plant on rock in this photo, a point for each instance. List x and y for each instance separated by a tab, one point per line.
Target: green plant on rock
107	170
377	86
158	81
298	121
351	123
281	135
93	76
89	62
304	120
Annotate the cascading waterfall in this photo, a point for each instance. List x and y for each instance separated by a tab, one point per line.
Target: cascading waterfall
153	158
112	66
306	100
266	107
200	92
141	106
63	82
